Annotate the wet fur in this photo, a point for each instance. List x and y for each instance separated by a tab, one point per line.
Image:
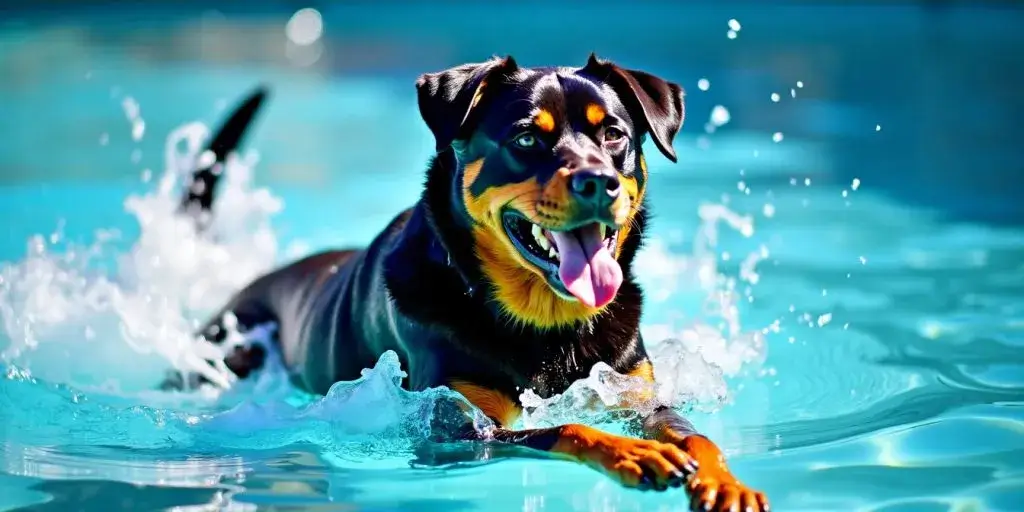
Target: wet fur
443	289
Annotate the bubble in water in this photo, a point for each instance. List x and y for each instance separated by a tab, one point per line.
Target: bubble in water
855	184
878	127
731	34
703	84
799	84
777	137
734	25
768	210
776	97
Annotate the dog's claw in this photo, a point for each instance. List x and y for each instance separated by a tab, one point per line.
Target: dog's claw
727	494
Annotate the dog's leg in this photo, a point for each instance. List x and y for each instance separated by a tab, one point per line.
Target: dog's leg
640	463
713	486
248	308
197	201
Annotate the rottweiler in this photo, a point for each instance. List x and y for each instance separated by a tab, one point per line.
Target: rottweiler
512	271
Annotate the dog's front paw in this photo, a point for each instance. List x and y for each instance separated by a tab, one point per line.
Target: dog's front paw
636	463
719	491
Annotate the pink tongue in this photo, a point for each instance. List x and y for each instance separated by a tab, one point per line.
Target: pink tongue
587	268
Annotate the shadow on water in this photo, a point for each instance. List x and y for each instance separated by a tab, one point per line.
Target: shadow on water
104	496
293	478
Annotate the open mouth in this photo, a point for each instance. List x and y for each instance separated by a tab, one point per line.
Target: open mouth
577	263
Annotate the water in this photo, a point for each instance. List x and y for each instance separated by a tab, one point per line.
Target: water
848	350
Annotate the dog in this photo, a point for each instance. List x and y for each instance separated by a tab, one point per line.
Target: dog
512	271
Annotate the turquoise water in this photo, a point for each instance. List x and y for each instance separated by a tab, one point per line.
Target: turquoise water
849	348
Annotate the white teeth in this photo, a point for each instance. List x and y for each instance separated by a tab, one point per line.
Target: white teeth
538	236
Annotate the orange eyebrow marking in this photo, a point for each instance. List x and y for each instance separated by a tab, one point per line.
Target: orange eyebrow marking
595	114
545	121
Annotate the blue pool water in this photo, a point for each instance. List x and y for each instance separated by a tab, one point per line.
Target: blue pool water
853	341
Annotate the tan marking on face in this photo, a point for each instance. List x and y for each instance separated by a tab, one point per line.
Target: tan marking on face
545	121
526	296
595	114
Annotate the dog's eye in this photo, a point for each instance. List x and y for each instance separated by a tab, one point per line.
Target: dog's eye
525	141
613	134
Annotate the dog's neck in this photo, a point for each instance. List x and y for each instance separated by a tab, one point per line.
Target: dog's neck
432	271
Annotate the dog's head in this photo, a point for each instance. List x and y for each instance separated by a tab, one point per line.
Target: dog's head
550	175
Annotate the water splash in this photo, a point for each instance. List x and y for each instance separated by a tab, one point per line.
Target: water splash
70	322
73	315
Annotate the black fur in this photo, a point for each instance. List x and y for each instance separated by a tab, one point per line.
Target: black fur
420	290
417	288
199	195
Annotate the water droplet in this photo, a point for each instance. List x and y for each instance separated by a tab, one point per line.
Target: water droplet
777	137
878	127
799	84
863	260
703	84
807	182
720	115
845	193
734	25
138	129
792	93
731	34
305	27
856	184
824	319
776	97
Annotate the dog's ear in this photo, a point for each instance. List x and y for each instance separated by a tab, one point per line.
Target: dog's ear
660	102
447	98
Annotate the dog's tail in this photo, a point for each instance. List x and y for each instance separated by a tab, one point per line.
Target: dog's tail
198	197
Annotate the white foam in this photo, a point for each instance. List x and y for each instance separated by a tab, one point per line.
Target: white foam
70	323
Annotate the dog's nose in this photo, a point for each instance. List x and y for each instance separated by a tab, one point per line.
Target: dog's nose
595	186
